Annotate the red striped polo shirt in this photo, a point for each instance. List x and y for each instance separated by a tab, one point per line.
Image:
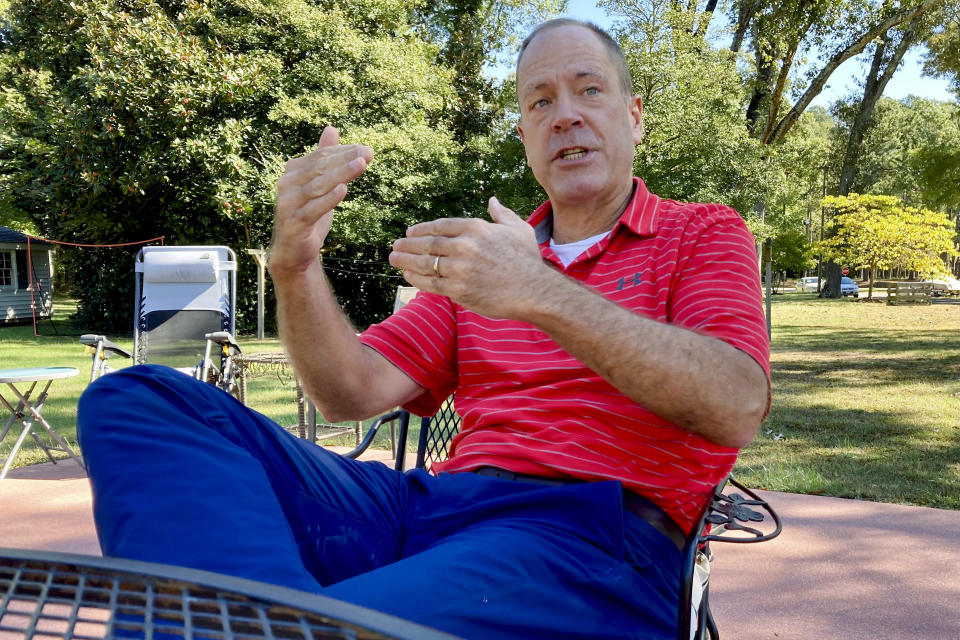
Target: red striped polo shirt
528	406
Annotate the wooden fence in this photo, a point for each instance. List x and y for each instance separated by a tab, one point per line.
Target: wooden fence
909	293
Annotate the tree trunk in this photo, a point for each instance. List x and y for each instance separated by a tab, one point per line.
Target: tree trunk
785	123
886	59
745	13
885	63
703	20
831	277
762	88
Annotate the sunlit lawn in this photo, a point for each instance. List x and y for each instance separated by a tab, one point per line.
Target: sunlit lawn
865	398
865	402
273	393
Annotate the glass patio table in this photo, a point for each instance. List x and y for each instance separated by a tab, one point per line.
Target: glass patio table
25	409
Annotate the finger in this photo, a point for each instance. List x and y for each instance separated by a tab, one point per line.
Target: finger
428	283
297	218
449	227
324	157
420	263
302	169
316	208
425	245
329	138
338	174
503	215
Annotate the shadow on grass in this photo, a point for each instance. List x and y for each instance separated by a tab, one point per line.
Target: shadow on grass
807	338
873	454
864	358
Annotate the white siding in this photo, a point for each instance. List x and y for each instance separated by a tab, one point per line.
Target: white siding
14	301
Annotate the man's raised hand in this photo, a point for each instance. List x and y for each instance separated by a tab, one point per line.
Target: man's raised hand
307	192
491	268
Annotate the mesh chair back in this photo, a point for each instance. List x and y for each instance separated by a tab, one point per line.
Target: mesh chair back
436	434
176	338
182	293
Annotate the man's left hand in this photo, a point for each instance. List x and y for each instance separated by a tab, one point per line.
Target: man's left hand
490	268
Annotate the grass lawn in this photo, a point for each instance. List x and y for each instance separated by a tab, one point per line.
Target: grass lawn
865	398
271	393
865	402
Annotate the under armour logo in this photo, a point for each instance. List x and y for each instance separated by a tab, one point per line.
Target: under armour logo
626	282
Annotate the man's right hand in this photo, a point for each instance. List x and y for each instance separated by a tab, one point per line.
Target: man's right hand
307	192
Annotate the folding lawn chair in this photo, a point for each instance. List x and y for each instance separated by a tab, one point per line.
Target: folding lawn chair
185	303
729	517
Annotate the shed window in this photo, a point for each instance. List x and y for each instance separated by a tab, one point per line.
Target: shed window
6	268
23	277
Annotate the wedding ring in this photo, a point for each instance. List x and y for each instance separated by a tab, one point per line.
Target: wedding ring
436	266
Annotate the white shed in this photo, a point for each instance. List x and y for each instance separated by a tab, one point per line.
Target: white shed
15	277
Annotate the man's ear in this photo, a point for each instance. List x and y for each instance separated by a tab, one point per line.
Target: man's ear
520	131
636	115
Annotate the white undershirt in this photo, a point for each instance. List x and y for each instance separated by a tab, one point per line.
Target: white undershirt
570	251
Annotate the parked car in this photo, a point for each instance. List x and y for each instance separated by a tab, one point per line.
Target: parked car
849	288
946	286
808	285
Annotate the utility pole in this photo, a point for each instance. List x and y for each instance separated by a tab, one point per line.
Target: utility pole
260	255
768	256
820	257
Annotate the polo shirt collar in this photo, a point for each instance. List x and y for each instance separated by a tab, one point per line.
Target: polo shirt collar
640	216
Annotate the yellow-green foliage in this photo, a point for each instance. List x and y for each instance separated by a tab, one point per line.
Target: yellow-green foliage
879	232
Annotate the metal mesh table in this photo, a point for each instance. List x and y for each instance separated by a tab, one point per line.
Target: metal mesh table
53	595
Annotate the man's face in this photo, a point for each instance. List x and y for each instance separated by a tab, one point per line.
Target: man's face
578	128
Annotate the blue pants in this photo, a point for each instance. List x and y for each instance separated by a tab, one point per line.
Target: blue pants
184	474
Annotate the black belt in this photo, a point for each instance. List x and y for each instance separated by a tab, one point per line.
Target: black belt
632	502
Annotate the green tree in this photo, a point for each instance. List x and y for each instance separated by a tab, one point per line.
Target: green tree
878	232
782	35
696	145
791	252
473	36
126	119
944	45
911	149
888	52
905	150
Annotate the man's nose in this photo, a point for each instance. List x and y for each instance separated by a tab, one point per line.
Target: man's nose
566	114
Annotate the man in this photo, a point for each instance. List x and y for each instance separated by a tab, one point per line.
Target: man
609	358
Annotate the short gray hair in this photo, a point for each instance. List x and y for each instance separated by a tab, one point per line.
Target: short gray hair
613	48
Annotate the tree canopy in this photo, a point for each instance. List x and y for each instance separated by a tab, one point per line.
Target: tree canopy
879	232
127	119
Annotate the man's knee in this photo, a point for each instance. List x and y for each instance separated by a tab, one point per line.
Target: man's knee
133	391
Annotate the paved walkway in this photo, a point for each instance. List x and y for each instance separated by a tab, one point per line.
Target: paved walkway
841	569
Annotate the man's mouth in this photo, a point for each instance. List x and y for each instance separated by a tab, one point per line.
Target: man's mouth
574	153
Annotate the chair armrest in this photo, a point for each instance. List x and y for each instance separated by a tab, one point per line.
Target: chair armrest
223	338
92	339
398	414
723	515
728	510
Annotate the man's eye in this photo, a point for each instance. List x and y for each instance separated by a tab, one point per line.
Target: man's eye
542	102
592	91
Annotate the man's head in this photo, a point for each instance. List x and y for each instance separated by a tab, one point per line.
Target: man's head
578	121
617	58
